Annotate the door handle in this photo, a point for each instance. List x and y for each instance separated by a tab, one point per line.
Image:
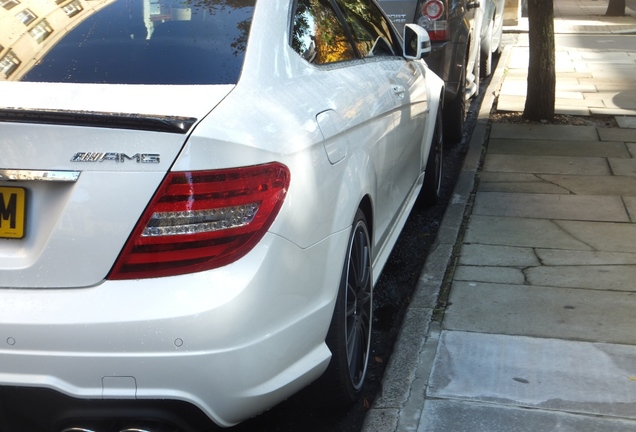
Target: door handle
398	91
472	5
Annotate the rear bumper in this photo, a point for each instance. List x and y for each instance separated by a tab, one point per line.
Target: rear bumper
232	341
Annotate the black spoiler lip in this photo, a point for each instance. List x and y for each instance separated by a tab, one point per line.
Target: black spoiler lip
155	123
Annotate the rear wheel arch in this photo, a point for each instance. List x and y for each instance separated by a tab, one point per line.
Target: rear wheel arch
366	207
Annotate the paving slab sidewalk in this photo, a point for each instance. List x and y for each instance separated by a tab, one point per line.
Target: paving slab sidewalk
547	323
539	326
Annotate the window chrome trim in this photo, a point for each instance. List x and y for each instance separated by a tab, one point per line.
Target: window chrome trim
38	175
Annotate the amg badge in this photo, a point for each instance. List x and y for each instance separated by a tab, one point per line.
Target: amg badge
115	157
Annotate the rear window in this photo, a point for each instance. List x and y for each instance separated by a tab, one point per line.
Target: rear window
137	42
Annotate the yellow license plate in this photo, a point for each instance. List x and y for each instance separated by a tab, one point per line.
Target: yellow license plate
12	212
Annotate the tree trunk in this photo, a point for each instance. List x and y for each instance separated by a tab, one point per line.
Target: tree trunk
540	96
615	8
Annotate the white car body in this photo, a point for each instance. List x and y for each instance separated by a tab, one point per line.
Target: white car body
233	340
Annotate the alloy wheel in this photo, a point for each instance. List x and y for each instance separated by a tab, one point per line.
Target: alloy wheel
358	301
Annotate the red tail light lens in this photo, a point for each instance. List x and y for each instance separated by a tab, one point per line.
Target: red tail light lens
202	220
433	9
433	19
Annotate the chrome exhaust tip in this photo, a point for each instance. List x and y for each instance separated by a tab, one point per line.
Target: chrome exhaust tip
77	429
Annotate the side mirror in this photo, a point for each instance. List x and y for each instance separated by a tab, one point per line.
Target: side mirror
417	42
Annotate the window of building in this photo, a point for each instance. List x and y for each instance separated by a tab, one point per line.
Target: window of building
41	31
8	64
27	17
8	4
73	8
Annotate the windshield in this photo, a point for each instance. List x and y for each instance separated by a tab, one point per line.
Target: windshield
125	41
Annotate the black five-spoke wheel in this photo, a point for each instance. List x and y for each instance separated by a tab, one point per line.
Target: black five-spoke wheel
349	336
358	305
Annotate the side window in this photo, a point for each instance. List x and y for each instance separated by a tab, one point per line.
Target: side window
370	29
318	35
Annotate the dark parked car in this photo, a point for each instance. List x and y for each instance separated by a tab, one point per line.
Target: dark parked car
464	34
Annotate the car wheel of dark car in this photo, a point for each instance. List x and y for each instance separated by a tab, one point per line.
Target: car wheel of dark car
455	113
432	187
349	335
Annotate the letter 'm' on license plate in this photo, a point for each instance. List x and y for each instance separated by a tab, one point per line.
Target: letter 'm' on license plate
12	212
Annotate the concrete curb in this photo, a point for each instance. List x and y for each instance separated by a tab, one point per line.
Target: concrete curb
400	404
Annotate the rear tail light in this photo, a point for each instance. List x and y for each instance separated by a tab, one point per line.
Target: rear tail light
433	9
202	220
433	17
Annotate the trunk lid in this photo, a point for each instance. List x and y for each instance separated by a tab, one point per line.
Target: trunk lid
78	165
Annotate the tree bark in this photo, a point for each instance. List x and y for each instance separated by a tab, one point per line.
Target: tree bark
615	8
540	96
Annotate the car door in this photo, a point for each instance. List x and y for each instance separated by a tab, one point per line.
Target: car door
397	79
354	104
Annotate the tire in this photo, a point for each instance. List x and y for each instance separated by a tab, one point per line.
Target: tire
432	187
455	114
485	57
349	336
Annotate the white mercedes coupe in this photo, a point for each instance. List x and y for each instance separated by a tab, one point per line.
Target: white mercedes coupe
196	199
